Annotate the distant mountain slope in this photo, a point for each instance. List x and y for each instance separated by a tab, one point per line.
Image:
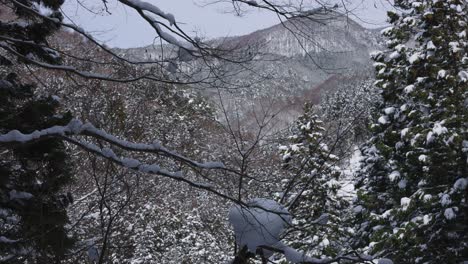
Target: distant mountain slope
325	35
328	32
295	62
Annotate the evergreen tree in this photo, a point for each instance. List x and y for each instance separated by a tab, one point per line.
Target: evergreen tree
412	197
312	190
32	175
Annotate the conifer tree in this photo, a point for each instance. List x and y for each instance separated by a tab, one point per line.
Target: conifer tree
412	197
32	175
312	190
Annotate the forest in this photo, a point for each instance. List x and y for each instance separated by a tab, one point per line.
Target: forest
316	140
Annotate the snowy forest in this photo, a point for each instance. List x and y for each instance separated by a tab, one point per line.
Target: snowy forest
316	140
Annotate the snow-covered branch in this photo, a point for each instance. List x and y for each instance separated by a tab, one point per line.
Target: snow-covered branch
148	12
76	127
258	227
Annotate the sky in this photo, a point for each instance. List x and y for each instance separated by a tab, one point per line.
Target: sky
124	28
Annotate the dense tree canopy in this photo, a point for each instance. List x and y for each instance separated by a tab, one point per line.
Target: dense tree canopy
413	205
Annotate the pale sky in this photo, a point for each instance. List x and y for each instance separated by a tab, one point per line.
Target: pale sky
124	28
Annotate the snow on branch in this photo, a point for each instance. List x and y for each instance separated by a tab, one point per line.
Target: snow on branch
82	32
151	8
76	127
146	10
259	225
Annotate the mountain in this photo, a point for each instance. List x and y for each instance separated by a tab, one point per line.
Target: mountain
329	33
293	61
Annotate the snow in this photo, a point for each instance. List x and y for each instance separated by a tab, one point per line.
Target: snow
383	120
394	55
463	75
465	145
384	261
358	209
13	135
295	147
154	168
108	153
4	84
421	79
405	202
42	9
427	197
430	137
170	17
422	158
454	46
20	195
7	240
441	74
170	38
93	253
386	31
260	224
76	127
402	184
430	45
445	200
293	255
394	175
324	243
414	58
376	54
409	88
439	129
449	214
389	110
461	184
409	20
130	163
153	9
404	131
322	220
56	98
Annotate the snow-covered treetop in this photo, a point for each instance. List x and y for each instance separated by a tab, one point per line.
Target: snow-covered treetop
260	224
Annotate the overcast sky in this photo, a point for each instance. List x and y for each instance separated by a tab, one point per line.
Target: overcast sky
124	28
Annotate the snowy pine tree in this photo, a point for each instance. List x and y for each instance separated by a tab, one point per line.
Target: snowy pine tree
33	174
32	202
412	197
312	190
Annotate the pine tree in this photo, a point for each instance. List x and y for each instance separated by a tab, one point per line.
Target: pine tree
412	195
312	190
32	175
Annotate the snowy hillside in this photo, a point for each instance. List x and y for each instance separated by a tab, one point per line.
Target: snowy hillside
294	62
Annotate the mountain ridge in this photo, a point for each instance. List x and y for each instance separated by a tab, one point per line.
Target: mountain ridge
329	32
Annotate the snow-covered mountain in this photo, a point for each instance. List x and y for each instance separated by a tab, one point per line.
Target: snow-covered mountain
325	33
295	60
330	33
